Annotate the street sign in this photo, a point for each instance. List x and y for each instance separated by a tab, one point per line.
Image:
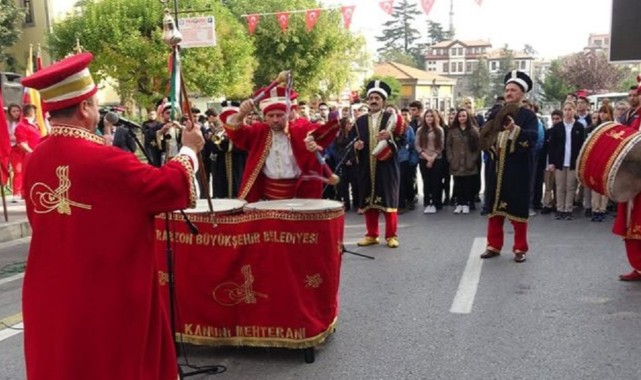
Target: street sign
197	31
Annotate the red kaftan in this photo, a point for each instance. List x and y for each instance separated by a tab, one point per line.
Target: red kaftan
91	300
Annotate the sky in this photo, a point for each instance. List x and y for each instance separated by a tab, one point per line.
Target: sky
552	27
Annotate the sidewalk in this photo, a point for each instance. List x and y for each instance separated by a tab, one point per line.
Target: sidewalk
17	227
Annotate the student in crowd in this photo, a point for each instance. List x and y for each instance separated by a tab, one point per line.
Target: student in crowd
566	139
549	197
599	201
462	153
430	139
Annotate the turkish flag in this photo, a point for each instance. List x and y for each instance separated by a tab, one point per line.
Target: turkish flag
427	5
387	6
283	19
5	143
252	21
311	16
348	12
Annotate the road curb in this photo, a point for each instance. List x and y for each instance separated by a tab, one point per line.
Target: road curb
14	230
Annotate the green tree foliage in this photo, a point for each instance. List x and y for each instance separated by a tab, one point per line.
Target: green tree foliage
398	33
125	37
321	59
506	63
436	33
394	84
398	56
11	18
479	82
553	87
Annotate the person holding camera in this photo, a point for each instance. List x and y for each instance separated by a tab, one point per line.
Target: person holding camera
168	136
510	138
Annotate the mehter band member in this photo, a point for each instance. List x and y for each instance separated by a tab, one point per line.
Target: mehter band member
92	302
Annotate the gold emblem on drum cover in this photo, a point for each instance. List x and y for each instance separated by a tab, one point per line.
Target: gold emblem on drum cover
230	293
313	281
524	144
163	277
45	199
616	135
502	205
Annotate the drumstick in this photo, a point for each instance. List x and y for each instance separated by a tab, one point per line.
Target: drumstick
282	77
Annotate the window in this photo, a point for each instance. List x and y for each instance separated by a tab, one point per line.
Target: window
27	5
598	42
468	67
445	67
523	65
460	51
460	67
453	69
493	66
453	51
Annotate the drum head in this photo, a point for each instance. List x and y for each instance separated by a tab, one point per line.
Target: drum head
221	206
296	204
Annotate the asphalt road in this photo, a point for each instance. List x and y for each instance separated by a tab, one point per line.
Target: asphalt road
562	314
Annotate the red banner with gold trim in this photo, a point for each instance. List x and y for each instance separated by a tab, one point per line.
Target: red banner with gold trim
262	278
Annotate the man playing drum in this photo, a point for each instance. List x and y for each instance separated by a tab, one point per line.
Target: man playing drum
378	135
628	219
279	164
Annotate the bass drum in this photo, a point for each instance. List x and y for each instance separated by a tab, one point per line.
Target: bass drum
610	161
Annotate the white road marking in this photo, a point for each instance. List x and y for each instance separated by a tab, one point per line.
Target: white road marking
7	280
464	298
9	332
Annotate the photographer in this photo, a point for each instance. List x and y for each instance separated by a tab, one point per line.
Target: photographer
168	136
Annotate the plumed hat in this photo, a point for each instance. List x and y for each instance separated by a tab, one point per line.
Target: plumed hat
379	87
64	83
275	99
519	78
229	108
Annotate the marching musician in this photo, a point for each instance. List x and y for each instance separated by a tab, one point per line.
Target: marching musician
229	162
509	167
91	288
378	135
281	163
628	218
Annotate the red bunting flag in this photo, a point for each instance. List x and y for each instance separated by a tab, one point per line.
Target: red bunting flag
427	5
311	17
387	6
348	12
252	21
283	19
479	2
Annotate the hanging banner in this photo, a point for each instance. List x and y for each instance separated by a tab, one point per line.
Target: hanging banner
428	4
252	21
387	6
283	19
311	17
347	12
199	31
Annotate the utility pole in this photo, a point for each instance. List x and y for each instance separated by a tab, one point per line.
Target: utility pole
451	19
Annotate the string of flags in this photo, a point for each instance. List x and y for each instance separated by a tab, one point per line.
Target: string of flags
312	15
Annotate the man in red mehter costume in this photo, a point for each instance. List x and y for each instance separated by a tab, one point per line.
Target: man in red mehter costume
630	226
91	301
280	161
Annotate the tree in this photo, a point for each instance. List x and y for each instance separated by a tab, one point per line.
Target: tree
394	84
479	82
321	59
591	71
128	48
436	34
11	18
398	56
506	63
553	87
398	33
529	50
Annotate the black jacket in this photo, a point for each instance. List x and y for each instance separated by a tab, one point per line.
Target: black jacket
556	148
